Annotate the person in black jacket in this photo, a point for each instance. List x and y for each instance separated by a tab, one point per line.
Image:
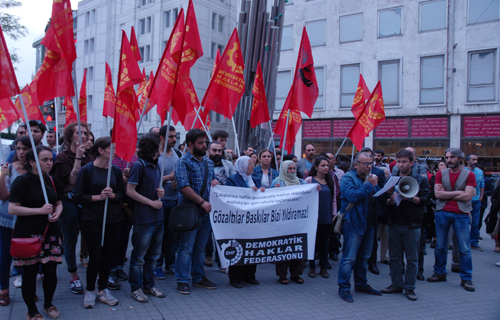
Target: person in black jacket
91	192
404	222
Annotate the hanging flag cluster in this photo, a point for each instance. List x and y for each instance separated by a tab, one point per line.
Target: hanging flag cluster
260	110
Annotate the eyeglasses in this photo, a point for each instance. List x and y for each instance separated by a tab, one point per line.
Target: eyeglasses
365	163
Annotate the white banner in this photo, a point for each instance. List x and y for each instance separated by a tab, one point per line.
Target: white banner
252	227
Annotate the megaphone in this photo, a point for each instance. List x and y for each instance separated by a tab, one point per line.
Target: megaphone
408	187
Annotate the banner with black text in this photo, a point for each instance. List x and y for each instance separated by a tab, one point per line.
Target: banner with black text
252	227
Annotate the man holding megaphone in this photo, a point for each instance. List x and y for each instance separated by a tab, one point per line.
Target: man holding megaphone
404	222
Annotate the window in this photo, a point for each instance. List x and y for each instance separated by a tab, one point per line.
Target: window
87	18
39	57
287	38
316	32
283	83
148	24
86	46
432	80
92	16
221	24
320	77
147	53
388	74
214	50
221	48
89	102
483	10
141	51
389	22
168	22
90	74
91	45
349	79
175	12
214	20
481	78
144	2
432	15
351	28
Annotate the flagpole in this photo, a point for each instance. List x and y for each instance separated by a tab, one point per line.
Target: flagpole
341	147
169	115
352	155
207	131
108	182
142	114
284	139
236	138
56	107
38	168
76	106
271	141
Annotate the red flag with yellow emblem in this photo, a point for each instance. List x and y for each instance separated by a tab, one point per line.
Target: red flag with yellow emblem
108	108
371	116
260	110
361	96
8	113
32	109
124	127
70	111
294	123
82	101
227	84
8	80
134	45
145	93
166	75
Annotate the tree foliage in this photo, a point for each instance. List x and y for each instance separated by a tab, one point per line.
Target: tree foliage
9	22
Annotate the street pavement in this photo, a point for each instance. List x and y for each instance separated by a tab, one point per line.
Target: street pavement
315	299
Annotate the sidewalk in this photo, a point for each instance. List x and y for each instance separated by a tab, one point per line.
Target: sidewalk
315	299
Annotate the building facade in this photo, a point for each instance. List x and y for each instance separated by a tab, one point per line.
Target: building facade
99	30
437	61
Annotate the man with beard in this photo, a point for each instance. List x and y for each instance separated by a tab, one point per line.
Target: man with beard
305	164
168	161
221	136
475	214
190	173
147	219
404	222
379	157
454	189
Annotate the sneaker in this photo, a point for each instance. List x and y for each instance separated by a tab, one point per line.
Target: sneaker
183	288
113	275
107	298
205	283
155	292
391	289
18	282
346	296
436	277
420	277
52	312
410	294
324	273
209	262
121	275
139	296
478	248
113	285
312	273
467	284
76	286
84	261
367	289
89	300
223	270
159	274
171	269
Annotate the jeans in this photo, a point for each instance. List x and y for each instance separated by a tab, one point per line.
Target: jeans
170	238
70	219
146	240
461	224
403	239
191	253
355	253
476	217
5	258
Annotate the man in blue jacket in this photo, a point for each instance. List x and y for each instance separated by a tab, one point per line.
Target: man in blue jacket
357	187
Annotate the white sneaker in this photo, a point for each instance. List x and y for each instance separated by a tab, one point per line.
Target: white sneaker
497	264
18	283
89	300
107	298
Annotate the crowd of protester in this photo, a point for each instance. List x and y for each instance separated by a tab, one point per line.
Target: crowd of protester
447	211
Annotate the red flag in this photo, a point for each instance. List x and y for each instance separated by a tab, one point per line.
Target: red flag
227	85
294	123
216	63
147	87
134	45
124	128
140	90
109	95
166	75
260	110
361	96
305	86
8	80
32	109
82	101
371	116
70	111
8	113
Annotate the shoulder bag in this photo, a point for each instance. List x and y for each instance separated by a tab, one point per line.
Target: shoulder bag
186	216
